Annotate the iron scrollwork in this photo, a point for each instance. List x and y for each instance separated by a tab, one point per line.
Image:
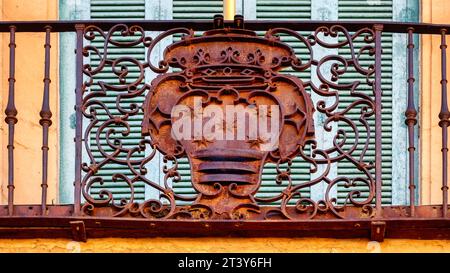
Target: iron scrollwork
228	66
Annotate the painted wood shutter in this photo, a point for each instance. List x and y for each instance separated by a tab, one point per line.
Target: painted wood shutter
285	10
197	9
367	10
118	10
348	10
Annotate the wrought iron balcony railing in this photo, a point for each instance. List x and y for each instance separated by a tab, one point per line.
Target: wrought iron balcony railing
228	65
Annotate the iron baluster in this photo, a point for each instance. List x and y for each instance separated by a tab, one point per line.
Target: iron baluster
411	120
378	121
444	116
45	120
11	117
79	117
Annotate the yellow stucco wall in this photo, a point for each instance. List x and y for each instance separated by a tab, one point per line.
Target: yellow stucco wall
29	91
433	11
218	245
28	140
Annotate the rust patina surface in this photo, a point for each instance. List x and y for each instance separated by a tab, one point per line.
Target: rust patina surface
199	78
221	68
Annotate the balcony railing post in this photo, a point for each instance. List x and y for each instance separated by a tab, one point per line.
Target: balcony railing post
378	28
45	120
411	120
444	122
79	117
11	117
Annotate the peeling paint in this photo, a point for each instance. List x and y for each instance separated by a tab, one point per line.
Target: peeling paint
217	245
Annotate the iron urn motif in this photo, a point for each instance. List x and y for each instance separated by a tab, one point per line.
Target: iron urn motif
222	70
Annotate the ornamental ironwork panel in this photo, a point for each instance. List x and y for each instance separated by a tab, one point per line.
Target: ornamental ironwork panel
275	117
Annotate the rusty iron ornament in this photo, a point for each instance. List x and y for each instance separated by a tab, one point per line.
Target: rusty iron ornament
230	66
202	65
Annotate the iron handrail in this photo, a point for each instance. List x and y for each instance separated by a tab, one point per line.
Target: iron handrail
200	25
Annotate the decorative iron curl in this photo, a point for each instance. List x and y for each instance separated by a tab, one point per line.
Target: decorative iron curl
113	126
335	115
109	126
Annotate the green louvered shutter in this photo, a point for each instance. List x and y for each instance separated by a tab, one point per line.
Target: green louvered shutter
369	10
286	10
348	10
119	10
186	10
196	9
